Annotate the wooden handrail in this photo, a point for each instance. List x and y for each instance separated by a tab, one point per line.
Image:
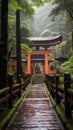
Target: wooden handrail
4	90
4	98
59	91
6	94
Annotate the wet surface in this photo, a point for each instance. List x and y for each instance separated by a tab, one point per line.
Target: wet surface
35	112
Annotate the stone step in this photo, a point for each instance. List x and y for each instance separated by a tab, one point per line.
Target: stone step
38	79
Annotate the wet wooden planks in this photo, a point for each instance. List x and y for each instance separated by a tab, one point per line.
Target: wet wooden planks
35	112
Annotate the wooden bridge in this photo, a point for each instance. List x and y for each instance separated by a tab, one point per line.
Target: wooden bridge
36	111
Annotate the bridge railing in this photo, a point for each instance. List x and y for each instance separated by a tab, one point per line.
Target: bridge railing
62	93
13	91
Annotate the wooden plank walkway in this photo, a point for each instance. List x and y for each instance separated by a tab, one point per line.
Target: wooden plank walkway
35	112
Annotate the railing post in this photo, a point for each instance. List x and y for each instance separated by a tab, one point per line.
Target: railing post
67	80
52	85
20	87
10	84
56	84
24	81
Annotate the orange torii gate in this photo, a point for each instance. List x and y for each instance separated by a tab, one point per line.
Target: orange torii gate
44	42
43	52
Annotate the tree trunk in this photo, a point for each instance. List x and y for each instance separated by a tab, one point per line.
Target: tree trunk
18	44
4	44
72	40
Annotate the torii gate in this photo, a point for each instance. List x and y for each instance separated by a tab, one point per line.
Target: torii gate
43	52
42	42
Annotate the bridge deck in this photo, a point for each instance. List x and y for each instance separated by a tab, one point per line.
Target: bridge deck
35	112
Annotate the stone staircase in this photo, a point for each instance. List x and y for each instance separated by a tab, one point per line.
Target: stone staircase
37	79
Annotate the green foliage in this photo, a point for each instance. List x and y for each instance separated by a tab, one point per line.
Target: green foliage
24	24
70	36
55	33
39	2
45	32
64	67
62	5
26	48
25	29
48	32
13	5
27	8
11	20
59	46
67	66
71	60
24	6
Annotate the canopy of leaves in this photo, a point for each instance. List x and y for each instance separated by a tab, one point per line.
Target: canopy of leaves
39	2
13	5
63	5
26	5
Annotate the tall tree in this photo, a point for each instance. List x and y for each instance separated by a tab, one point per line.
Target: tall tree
18	43
4	43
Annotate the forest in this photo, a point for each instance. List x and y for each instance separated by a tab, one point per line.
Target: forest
21	19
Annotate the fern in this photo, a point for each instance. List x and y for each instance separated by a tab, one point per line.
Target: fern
26	48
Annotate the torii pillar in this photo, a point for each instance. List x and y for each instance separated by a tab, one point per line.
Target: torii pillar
47	67
28	63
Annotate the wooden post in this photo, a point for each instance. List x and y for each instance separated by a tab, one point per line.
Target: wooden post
43	66
20	87
34	69
56	84
52	86
10	84
67	80
24	77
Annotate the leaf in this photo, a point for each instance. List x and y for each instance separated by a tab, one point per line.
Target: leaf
26	48
71	60
55	33
45	31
